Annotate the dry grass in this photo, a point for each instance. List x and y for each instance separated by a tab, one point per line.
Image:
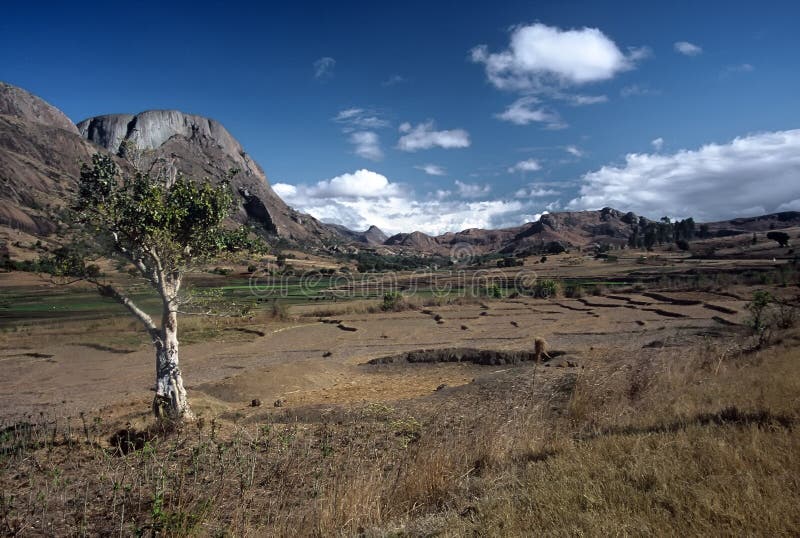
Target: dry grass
692	442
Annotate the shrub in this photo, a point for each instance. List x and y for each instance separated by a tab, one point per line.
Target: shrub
574	291
547	288
393	301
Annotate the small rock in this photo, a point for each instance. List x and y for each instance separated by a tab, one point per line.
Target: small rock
255	403
464	328
279	403
440	387
327	354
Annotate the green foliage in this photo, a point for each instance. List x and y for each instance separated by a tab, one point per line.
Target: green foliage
757	308
392	301
178	221
547	288
494	291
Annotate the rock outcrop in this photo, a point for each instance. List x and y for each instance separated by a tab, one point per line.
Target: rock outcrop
200	147
40	156
22	104
373	236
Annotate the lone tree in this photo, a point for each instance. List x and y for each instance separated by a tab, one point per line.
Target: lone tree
781	237
163	226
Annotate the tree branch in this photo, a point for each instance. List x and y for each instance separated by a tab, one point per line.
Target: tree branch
110	291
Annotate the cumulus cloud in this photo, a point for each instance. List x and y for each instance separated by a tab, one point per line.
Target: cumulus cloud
528	165
658	143
362	198
472	190
541	56
360	184
687	49
323	68
425	136
432	169
750	175
525	110
367	145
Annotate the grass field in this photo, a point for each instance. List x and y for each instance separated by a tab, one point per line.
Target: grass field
659	413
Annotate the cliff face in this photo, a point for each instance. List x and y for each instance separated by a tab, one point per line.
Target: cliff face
200	147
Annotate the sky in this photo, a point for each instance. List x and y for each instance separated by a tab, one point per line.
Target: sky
443	116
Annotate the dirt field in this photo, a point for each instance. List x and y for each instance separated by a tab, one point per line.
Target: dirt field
424	421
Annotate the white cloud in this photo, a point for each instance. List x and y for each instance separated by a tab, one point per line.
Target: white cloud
472	190
582	100
360	118
432	169
540	56
360	184
534	191
657	144
323	68
574	151
750	175
360	124
424	136
367	145
687	49
528	165
522	112
365	197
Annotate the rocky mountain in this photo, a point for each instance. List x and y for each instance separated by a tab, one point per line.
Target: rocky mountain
201	147
569	228
40	155
22	104
372	236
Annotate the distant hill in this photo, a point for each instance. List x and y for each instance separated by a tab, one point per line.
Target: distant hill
372	236
574	228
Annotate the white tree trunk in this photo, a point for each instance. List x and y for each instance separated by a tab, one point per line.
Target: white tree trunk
170	400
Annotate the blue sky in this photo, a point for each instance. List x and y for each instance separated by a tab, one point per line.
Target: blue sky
447	115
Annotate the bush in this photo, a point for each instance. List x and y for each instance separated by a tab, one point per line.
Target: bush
574	291
547	288
252	268
393	301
